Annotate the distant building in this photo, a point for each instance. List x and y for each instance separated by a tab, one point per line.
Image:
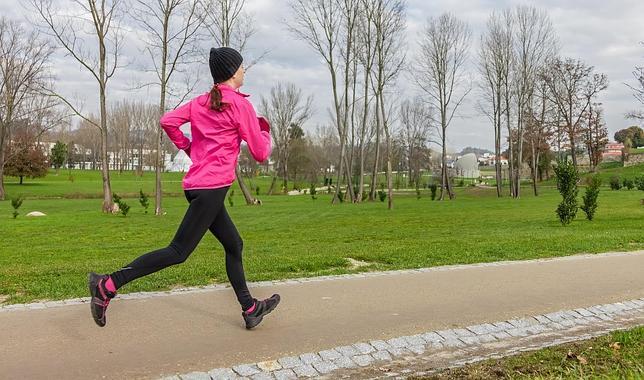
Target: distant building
488	159
467	166
613	151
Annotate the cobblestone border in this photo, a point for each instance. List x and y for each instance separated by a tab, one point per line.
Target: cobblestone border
363	354
296	281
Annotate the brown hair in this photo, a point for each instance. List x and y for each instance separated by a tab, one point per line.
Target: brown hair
215	99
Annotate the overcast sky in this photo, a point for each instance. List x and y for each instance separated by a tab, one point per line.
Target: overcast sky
604	34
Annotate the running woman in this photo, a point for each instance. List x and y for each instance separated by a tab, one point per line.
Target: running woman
219	120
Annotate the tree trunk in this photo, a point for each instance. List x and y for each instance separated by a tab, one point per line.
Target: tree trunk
270	189
388	137
372	190
242	185
497	151
2	153
105	171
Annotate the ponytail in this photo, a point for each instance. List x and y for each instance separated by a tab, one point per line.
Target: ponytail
215	99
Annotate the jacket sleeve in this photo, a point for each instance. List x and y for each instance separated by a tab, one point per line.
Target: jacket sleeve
172	120
255	131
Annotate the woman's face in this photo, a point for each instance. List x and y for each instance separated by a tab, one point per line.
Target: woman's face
238	77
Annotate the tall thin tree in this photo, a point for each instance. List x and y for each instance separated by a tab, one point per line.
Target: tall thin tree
100	20
440	75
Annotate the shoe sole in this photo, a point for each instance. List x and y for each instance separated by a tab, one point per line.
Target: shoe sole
258	320
92	291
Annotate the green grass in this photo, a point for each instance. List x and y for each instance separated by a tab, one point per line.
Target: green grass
88	184
619	355
294	236
636	150
605	172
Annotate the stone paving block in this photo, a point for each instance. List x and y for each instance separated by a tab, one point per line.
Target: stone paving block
196	376
416	340
433	337
542	319
380	345
223	374
324	367
399	351
363	360
285	374
364	348
263	376
306	371
463	332
347	351
518	332
247	369
501	335
470	340
269	366
310	357
327	355
344	362
447	334
290	362
487	338
486	328
584	312
382	355
502	326
453	343
398	342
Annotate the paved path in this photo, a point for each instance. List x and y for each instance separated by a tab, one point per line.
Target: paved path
202	330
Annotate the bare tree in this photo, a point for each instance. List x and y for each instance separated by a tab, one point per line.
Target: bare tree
416	124
389	25
595	135
539	129
23	70
329	27
572	85
535	43
496	58
638	92
100	19
171	27
284	109
440	74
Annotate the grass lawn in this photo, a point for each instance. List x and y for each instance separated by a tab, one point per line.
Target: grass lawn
619	355
295	236
89	184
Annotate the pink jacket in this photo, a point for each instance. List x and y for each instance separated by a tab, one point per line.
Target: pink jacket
216	137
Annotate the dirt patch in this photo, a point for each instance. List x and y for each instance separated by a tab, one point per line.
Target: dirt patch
357	264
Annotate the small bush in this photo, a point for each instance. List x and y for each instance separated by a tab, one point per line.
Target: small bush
615	183
123	207
567	177
16	203
639	182
144	200
257	191
382	195
433	189
590	198
629	183
313	191
340	195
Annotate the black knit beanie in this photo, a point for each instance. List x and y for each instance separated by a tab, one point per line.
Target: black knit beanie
224	63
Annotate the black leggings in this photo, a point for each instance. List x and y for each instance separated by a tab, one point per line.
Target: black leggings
206	212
